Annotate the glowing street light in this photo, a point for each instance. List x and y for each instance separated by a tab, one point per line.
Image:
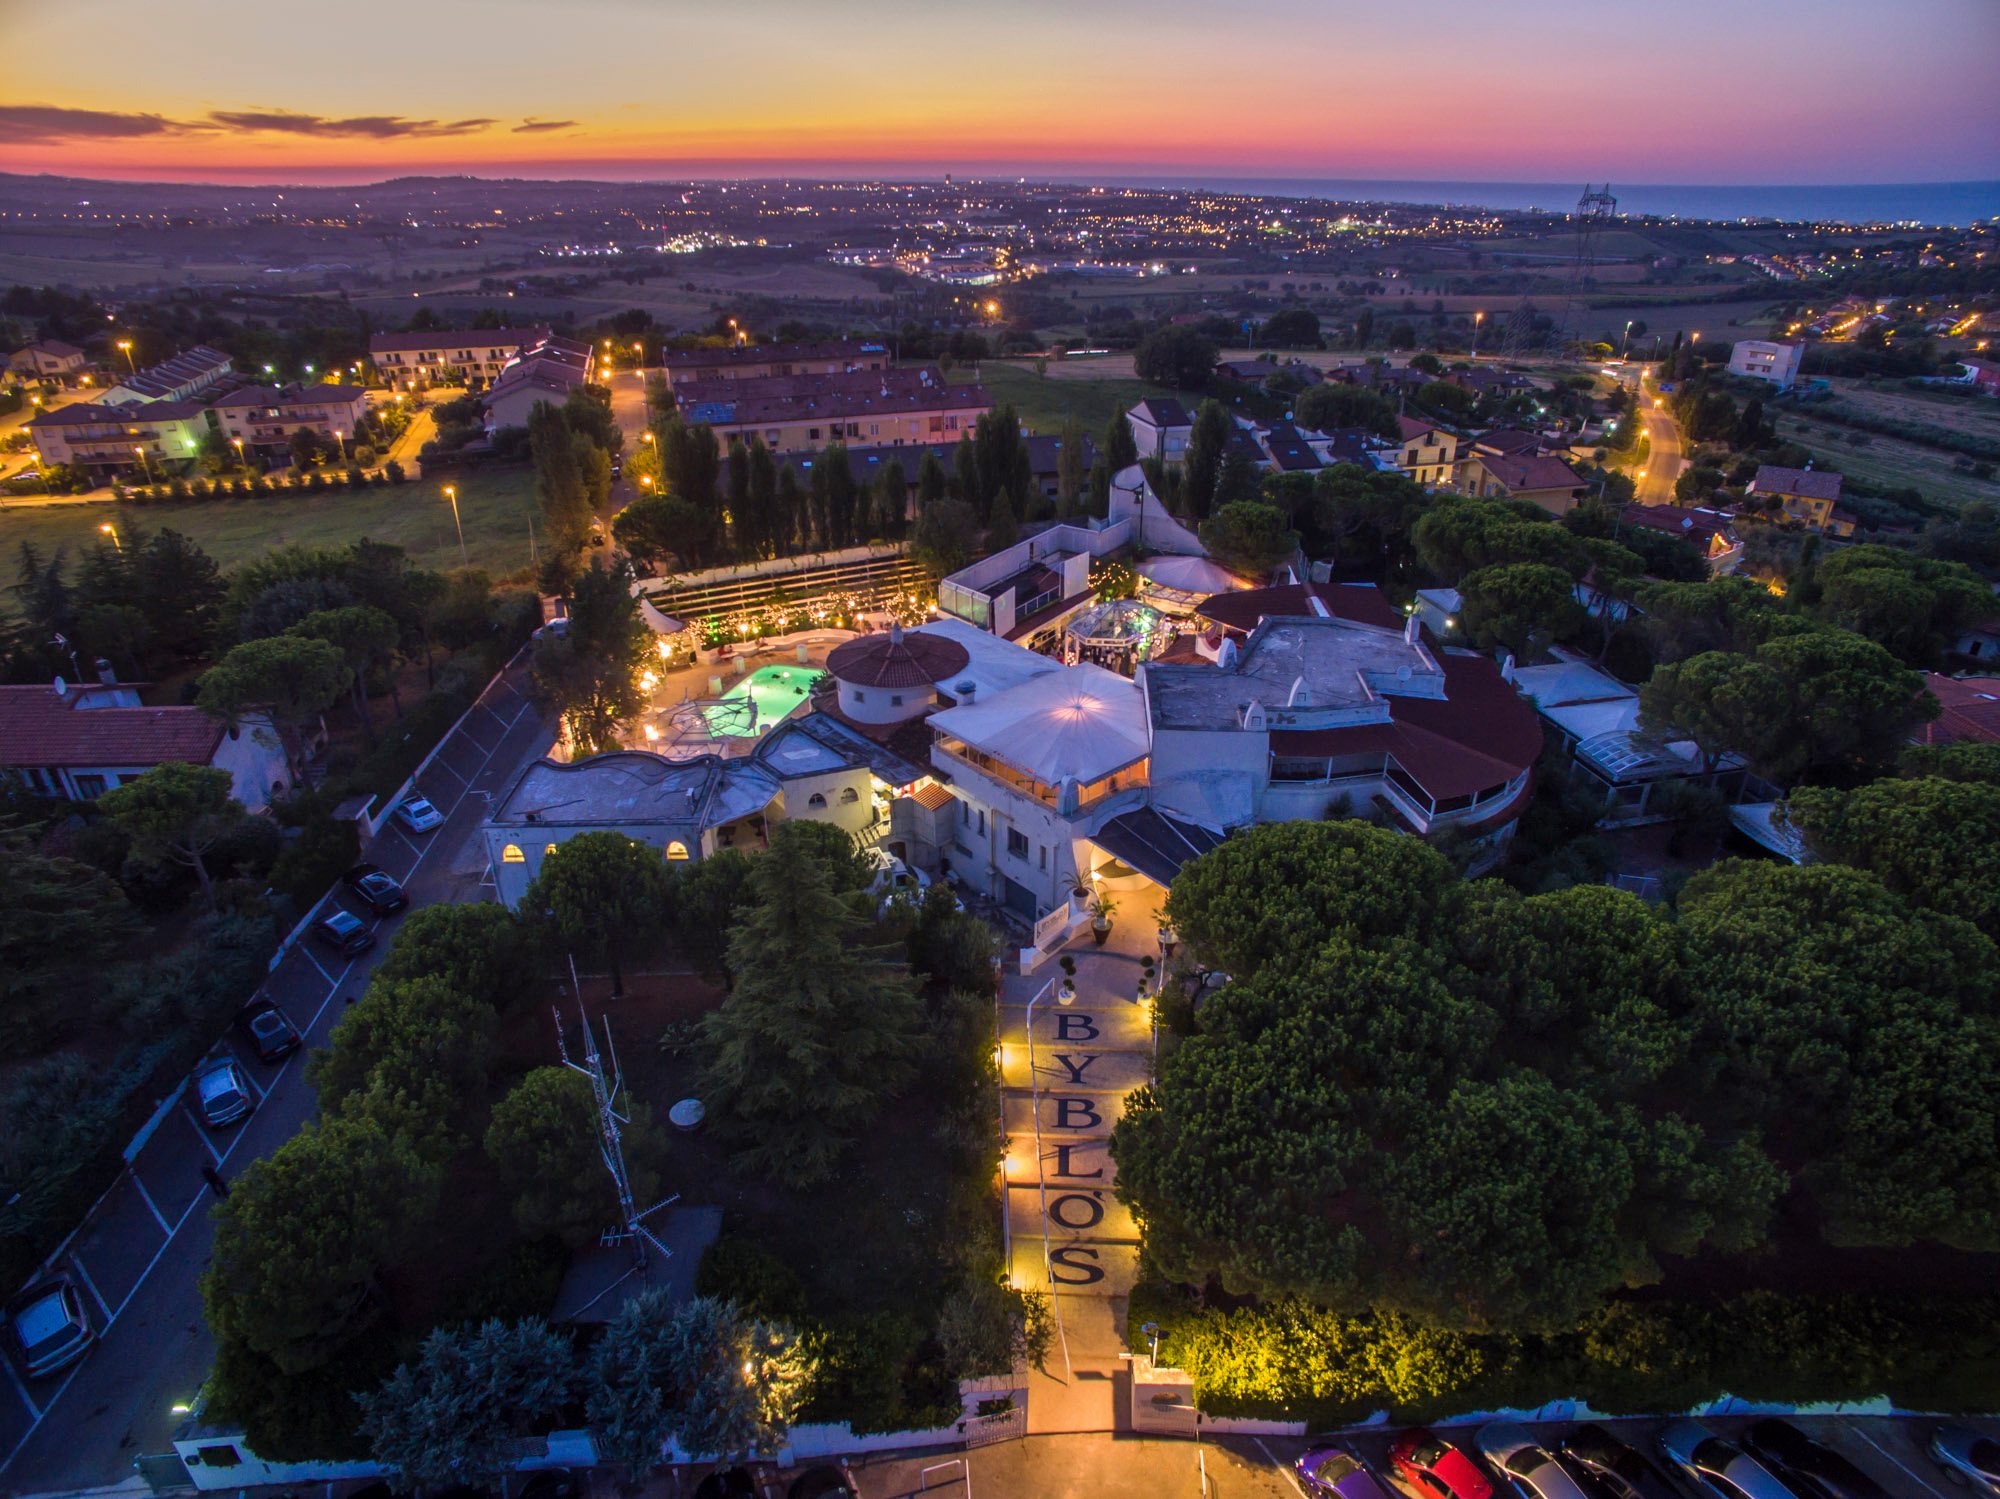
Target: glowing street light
1477	319
112	531
451	493
125	346
340	439
144	460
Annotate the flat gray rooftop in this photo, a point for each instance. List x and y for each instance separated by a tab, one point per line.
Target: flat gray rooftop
1342	665
629	786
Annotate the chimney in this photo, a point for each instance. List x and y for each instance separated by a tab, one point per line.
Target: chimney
965	691
105	673
895	634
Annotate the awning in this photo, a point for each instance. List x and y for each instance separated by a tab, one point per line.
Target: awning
1153	843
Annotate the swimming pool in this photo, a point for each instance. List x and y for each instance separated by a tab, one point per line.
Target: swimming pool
768	694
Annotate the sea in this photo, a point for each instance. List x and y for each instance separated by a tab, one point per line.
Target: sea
1939	203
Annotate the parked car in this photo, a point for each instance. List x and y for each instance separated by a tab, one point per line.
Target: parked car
1809	1465
343	931
1718	1468
1436	1467
417	815
1336	1473
1524	1464
1621	1471
1972	1457
375	889
268	1029
48	1326
222	1093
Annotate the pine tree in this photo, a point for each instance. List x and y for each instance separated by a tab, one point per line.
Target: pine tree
933	483
767	535
819	1030
559	479
1069	466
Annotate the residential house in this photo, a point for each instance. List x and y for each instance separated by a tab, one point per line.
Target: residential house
1968	710
764	361
182	378
1160	427
140	438
1805	495
1773	359
77	741
1425	452
551	369
261	419
50	359
1540	477
1984	373
1710	532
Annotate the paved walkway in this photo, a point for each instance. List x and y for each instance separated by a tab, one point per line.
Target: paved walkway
1064	1072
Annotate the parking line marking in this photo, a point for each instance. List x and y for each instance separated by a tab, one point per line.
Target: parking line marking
83	1275
441	764
262	1093
203	1133
1283	1468
315	962
1928	1488
34	1410
147	1198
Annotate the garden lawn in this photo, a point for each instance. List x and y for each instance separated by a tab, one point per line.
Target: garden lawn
494	504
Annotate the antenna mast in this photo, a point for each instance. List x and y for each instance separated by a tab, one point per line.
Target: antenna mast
1594	210
631	1225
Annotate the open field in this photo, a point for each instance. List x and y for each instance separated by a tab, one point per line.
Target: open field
1091	390
1890	462
495	505
1976	416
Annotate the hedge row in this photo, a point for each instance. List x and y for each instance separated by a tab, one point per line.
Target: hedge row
319	481
1293	1360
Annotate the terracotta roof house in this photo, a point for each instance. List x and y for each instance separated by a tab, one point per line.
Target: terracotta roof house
78	741
1969	709
1548	481
1710	532
1812	498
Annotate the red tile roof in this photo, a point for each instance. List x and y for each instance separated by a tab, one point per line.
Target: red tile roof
1530	471
1481	735
897	659
37	728
1971	710
1808	483
1243	608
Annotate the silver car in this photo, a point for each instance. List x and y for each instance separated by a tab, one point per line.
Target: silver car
1524	1464
49	1327
1719	1468
223	1093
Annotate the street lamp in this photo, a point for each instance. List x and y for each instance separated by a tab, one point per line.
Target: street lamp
112	531
125	345
144	460
237	443
340	441
1625	343
451	493
1477	319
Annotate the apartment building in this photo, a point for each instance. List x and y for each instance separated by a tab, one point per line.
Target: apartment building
182	378
139	438
877	408
764	361
262	418
476	355
51	359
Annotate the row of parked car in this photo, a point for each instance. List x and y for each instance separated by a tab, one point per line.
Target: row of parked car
49	1325
1773	1459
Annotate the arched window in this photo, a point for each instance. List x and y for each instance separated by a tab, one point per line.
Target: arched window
677	850
815	800
549	850
512	854
849	797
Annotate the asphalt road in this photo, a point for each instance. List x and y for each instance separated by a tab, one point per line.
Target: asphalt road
1663	458
141	1253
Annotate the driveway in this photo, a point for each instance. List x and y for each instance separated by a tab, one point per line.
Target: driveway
141	1252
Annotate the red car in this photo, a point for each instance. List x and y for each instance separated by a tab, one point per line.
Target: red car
1435	1467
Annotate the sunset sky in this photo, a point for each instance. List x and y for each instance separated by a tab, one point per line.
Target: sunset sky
1673	91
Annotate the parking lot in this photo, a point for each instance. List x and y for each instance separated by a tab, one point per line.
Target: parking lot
140	1253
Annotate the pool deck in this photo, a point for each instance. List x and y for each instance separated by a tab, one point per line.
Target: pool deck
705	682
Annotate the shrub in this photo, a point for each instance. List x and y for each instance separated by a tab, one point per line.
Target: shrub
393	471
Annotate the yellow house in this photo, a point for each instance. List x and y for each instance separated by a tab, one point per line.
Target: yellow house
1810	497
1425	453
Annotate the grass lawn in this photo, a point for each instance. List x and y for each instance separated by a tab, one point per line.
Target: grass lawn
494	504
1042	402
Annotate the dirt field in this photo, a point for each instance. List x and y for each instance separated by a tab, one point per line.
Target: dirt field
1890	462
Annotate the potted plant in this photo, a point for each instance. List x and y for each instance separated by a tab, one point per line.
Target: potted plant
1101	908
1079	895
1068	966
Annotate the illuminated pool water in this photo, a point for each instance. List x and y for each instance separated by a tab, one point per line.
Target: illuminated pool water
760	700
